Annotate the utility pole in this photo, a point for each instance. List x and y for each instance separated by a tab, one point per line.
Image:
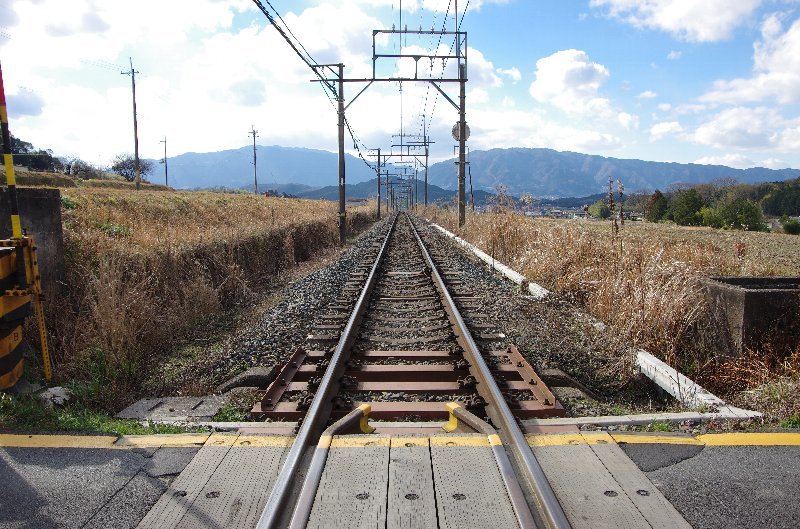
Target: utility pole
462	124
164	161
416	186
425	139
342	213
253	132
378	169
136	169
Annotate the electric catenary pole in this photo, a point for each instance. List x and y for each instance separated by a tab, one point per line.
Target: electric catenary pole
164	161
254	133
342	199
136	169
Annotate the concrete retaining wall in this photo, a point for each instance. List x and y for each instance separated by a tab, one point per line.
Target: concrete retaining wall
757	311
40	213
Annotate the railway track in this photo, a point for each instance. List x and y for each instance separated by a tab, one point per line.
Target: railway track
406	338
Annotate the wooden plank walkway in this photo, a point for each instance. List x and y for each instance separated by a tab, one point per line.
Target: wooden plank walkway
598	486
445	481
449	482
226	484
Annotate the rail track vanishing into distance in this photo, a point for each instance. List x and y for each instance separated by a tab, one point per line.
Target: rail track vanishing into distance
405	338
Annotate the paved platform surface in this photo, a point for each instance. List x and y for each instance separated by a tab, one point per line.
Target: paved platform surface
603	480
84	481
726	487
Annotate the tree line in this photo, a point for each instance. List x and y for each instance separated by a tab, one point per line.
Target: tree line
720	204
26	155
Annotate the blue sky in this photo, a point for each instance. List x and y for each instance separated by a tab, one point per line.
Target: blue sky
716	81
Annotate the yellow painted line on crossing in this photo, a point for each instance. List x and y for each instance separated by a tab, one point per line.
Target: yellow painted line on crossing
561	439
660	438
459	440
366	441
228	439
264	440
408	442
750	439
713	439
222	439
165	440
56	441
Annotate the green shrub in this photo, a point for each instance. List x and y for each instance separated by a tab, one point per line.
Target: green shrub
68	203
685	206
599	210
711	217
792	227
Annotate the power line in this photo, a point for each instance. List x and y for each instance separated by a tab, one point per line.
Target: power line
309	61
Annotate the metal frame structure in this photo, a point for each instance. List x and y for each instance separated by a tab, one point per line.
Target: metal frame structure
460	55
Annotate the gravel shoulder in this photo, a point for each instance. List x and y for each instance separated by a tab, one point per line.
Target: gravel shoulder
551	333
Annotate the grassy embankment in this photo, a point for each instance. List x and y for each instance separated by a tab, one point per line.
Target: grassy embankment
645	284
144	269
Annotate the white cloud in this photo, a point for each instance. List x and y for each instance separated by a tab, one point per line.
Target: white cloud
745	128
25	103
776	69
512	73
570	81
439	6
666	128
773	163
690	108
738	161
629	121
477	96
647	94
508	102
674	55
693	21
519	128
664	107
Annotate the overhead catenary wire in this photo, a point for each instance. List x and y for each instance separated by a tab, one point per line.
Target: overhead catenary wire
304	55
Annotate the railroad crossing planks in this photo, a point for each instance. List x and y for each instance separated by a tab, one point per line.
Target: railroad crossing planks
453	479
411	497
599	487
352	491
225	485
469	490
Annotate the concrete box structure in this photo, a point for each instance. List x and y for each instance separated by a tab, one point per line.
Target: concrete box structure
758	311
40	214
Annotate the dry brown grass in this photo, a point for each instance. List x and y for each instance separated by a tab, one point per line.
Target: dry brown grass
644	283
143	268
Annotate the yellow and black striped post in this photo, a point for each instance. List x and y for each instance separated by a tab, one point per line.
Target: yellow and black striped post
11	182
19	276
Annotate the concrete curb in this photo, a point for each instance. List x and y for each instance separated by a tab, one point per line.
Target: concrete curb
686	391
536	291
724	413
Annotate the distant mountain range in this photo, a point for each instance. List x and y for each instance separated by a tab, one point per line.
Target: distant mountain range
276	165
542	172
545	172
369	189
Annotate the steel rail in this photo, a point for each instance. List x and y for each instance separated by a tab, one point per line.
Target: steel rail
548	506
318	412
